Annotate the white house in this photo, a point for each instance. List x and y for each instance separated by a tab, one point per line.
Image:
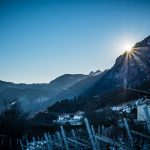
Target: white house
63	117
78	115
73	119
140	112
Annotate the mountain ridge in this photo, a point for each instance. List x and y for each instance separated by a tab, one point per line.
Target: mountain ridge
131	69
39	96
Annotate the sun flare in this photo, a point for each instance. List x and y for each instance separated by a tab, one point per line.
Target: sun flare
127	46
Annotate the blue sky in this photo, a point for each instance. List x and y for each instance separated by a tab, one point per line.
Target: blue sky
41	40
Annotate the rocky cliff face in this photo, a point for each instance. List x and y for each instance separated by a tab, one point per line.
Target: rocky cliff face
131	69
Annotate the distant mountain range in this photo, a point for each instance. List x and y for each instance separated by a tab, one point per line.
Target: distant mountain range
35	97
131	69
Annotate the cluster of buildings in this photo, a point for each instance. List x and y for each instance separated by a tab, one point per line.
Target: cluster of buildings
140	104
71	119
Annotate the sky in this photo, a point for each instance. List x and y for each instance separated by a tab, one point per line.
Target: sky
41	40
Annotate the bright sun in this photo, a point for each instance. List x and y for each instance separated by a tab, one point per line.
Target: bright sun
127	46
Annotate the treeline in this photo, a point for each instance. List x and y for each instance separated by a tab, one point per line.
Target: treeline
80	103
13	121
14	124
93	102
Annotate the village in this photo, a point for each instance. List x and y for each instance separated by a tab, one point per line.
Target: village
124	135
71	119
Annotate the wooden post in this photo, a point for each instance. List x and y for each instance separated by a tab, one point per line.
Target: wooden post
10	143
103	133
50	140
90	134
140	134
75	138
33	139
94	135
34	142
93	132
99	132
103	130
17	143
21	144
147	116
59	138
47	141
112	142
27	143
129	133
72	141
64	137
99	129
83	141
2	142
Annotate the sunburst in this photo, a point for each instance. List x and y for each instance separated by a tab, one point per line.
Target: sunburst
127	46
